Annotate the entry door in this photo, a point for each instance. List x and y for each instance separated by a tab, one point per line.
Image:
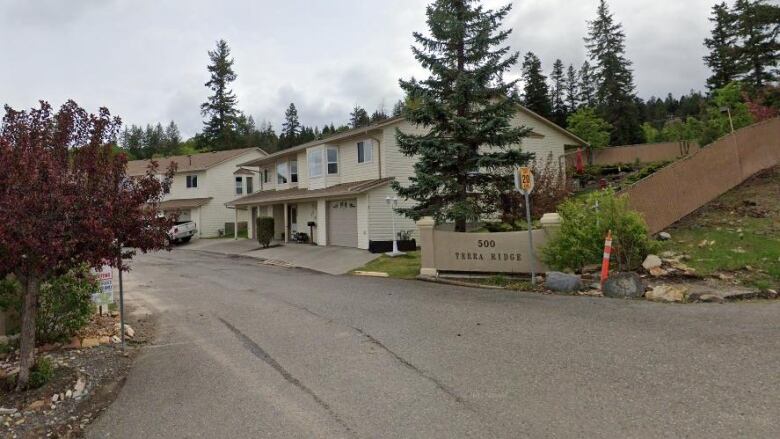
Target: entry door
342	223
292	217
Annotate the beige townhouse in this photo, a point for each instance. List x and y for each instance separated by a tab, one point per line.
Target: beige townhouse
335	191
203	183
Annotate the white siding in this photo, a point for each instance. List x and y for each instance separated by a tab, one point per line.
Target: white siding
362	221
380	215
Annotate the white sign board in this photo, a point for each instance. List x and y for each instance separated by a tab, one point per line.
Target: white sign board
105	296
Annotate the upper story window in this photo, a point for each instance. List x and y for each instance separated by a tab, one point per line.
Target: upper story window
293	171
365	152
192	181
315	163
239	185
333	161
249	186
266	176
281	173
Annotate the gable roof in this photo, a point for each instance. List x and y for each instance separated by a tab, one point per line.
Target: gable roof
393	120
188	163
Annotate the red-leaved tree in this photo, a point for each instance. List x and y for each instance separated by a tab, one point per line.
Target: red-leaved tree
65	200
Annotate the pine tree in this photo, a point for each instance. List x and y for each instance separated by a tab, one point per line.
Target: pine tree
291	128
536	93
465	160
572	90
587	86
615	91
359	117
722	59
378	116
398	108
758	27
558	93
220	108
172	139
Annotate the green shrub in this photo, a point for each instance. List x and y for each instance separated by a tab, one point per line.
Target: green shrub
41	372
65	305
580	241
265	231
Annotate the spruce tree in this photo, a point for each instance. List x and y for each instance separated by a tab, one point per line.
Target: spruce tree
558	93
398	108
464	161
758	28
615	91
172	139
587	86
359	117
536	93
722	59
572	90
291	128
220	108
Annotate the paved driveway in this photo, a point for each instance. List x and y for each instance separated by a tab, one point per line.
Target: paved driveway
246	350
331	260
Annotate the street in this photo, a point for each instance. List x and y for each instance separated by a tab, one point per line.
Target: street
247	350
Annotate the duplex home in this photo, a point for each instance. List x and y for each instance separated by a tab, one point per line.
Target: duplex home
336	190
203	183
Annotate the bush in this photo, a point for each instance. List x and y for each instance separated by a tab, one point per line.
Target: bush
41	373
580	241
65	305
265	231
551	187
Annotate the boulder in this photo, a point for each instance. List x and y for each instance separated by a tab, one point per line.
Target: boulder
652	261
664	236
624	286
658	272
562	282
668	293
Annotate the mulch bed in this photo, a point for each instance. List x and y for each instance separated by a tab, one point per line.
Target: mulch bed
102	370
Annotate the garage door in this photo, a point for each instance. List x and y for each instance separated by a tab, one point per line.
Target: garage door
342	223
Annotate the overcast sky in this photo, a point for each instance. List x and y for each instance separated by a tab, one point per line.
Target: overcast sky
146	59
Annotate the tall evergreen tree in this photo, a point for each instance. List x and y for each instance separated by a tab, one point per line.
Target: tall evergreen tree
220	108
172	139
615	92
558	93
379	115
398	108
722	44
572	88
536	93
359	117
758	27
587	86
465	160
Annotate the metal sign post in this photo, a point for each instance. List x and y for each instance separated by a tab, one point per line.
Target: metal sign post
524	183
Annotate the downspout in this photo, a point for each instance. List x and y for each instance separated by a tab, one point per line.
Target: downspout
378	154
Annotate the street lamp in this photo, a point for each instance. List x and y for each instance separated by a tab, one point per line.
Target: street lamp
393	202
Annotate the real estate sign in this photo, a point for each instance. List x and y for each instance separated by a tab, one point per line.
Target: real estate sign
105	296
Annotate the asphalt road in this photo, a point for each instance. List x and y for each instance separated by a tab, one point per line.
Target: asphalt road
246	350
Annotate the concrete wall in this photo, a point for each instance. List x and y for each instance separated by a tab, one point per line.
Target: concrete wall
682	187
645	153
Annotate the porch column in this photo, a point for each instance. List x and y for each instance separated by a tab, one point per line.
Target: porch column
235	226
286	228
427	242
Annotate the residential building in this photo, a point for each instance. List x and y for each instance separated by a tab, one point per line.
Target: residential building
336	190
203	183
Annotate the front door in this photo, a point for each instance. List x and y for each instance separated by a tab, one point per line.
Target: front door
292	217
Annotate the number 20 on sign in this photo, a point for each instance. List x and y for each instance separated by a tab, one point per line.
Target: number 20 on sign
524	180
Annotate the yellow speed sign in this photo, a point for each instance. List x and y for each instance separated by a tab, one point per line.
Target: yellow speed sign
524	180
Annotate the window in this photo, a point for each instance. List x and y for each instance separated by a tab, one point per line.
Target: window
266	178
239	185
249	186
315	163
333	161
293	171
281	173
192	181
365	152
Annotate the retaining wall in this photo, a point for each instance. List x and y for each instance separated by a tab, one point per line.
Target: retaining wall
684	186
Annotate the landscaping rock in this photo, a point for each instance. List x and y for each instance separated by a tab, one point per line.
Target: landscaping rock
624	286
664	236
4	411
705	297
562	282
36	405
658	272
652	261
668	293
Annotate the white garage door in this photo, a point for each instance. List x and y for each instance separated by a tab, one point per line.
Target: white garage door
342	223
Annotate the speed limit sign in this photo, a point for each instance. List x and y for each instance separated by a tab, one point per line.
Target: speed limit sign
524	180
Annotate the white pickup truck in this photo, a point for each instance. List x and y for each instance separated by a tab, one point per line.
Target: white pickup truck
182	231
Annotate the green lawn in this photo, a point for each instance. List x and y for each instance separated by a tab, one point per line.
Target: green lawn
401	267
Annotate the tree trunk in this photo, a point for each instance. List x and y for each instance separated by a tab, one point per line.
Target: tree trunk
27	339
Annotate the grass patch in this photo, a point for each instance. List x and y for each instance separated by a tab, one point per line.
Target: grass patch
400	267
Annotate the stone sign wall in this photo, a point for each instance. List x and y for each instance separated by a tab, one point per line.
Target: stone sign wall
506	252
